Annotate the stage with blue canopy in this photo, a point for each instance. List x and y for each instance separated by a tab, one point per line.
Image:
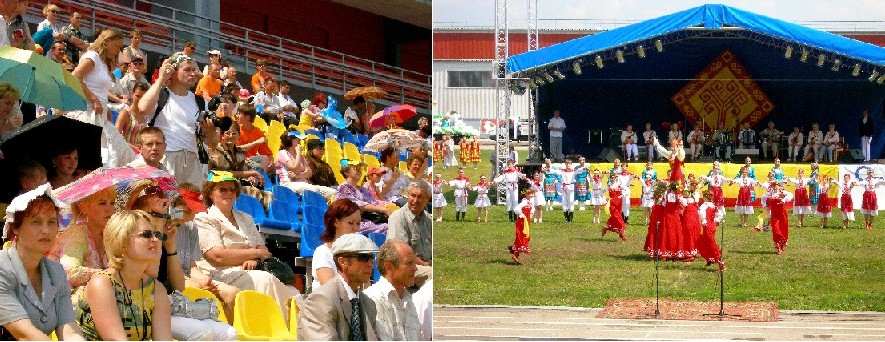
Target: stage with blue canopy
711	65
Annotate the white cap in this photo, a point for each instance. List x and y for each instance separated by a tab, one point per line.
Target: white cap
354	243
21	202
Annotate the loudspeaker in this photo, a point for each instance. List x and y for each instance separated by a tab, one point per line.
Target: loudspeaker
853	156
608	155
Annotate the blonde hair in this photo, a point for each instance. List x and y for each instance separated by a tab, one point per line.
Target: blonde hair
7	89
116	235
134	32
76	207
100	46
49	8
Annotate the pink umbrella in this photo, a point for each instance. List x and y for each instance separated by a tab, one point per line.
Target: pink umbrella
400	114
103	177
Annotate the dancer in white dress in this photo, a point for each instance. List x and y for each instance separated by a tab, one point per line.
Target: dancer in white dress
597	195
567	175
801	202
461	184
509	178
648	195
538	199
439	201
846	205
482	202
870	207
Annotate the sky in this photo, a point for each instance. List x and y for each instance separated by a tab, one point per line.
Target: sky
594	14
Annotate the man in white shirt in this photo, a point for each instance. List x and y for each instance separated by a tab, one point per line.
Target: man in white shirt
747	137
649	136
815	141
832	142
794	143
628	138
556	126
289	106
151	148
696	142
396	317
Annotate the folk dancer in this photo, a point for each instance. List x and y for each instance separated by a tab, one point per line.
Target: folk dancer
744	205
846	205
649	171
696	142
778	171
568	190
691	221
801	204
474	153
550	180
628	139
464	152
771	138
722	139
654	222
824	204
780	223
831	140
538	199
714	181
768	186
794	144
711	217
648	195
448	151
438	151
669	244
649	136
813	186
625	177
461	184
439	200
615	221
676	157
582	191
510	178
597	195
870	206
813	150
524	211
482	202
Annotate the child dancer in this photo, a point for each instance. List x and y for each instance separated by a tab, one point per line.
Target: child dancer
648	195
824	207
510	179
538	199
439	201
655	220
438	151
461	184
597	195
523	235
767	186
482	202
744	205
714	180
474	153
780	224
801	204
464	149
568	190
870	207
582	192
845	203
448	151
711	217
615	221
549	183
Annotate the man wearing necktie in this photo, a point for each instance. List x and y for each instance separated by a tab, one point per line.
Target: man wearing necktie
338	310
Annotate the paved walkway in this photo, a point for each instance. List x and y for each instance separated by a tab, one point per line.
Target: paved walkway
565	323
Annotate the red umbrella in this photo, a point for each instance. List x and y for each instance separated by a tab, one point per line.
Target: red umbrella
398	113
102	178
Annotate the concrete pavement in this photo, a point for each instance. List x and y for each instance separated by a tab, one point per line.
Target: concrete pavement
566	323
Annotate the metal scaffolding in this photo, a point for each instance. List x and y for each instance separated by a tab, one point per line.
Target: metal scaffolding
532	32
502	94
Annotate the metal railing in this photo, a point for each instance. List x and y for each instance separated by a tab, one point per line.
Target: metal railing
302	64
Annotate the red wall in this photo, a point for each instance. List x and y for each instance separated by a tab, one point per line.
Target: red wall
331	26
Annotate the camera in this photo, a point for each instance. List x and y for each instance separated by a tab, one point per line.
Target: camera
175	212
221	122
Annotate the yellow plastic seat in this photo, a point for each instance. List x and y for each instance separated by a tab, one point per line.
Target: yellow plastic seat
352	152
7	244
260	123
257	317
333	148
371	160
293	316
194	293
273	133
403	167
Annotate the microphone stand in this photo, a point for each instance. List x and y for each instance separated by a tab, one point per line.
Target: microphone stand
657	252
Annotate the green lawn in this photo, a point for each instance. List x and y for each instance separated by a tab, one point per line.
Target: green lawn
822	269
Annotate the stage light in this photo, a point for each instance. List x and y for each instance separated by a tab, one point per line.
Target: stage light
532	84
558	74
804	56
881	79
856	71
620	55
598	60
548	77
576	67
659	45
874	75
789	52
640	51
821	59
836	64
538	80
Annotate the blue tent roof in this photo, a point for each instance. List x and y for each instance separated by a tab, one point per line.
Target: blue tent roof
704	18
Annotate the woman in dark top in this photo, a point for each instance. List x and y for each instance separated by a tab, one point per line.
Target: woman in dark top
322	172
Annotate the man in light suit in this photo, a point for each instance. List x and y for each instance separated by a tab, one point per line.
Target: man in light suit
338	310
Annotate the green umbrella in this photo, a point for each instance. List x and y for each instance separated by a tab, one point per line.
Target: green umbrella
40	80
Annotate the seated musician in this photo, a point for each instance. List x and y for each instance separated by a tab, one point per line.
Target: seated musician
831	140
628	138
815	142
649	136
794	141
696	142
722	139
770	141
747	137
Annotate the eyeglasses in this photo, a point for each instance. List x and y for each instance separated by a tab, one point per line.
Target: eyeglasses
147	234
137	63
361	257
226	189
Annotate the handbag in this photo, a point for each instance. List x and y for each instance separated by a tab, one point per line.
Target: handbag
202	308
279	269
376	218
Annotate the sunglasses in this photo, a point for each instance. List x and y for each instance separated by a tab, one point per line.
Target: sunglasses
137	63
224	189
147	234
361	257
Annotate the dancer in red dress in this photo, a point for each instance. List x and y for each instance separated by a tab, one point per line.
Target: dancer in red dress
676	157
657	213
846	204
801	203
670	232
744	204
524	212
780	223
615	221
870	206
710	216
824	204
714	180
691	222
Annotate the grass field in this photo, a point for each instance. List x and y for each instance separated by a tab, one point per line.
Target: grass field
570	265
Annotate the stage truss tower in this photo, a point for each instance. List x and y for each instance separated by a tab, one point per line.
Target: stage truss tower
502	94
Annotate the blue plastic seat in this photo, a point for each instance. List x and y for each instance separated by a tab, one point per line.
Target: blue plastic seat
310	239
364	139
403	155
268	183
291	197
281	217
311	131
378	239
313	215
250	205
310	198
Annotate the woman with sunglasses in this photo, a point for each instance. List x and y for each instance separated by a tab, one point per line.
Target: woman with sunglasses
80	248
142	306
25	272
146	196
231	244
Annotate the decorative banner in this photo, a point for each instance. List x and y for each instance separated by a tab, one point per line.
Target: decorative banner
859	173
723	94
